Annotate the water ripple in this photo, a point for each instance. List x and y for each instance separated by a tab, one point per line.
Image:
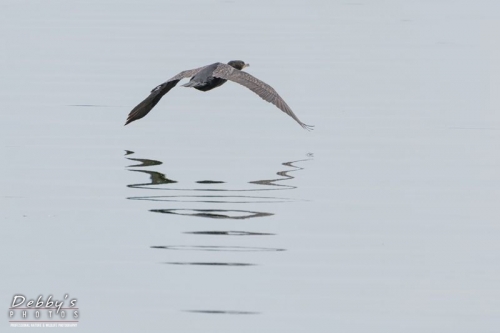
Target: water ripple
214	213
216	198
229	233
216	248
225	264
223	312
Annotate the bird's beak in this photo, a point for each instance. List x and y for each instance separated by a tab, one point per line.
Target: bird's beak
246	65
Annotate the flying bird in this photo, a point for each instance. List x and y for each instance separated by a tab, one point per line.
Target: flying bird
209	77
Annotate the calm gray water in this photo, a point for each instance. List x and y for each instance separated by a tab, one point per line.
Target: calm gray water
217	212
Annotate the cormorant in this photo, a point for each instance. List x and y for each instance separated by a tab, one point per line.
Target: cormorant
212	76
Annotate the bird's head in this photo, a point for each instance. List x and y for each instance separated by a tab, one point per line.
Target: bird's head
238	64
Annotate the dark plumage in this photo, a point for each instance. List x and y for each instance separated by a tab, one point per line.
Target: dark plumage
209	77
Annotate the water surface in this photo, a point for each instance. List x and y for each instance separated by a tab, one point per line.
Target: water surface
217	212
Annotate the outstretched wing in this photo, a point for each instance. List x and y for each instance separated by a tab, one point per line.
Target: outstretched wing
157	93
265	91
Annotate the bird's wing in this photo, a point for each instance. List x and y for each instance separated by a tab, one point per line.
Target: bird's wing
265	91
157	93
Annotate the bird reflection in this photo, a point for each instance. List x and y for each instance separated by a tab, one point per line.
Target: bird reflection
203	196
159	181
208	198
155	178
158	178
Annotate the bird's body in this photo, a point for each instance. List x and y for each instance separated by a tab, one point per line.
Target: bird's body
204	80
209	77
